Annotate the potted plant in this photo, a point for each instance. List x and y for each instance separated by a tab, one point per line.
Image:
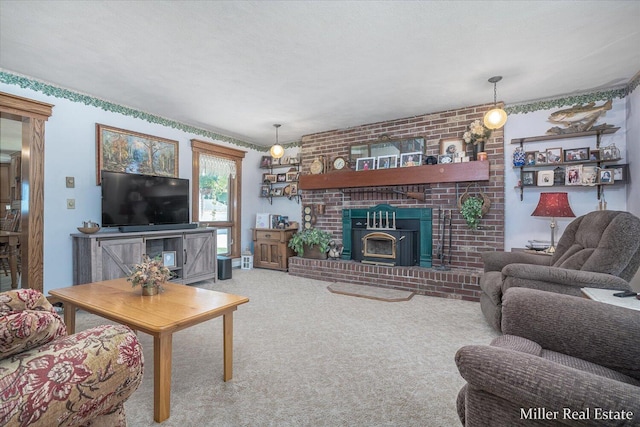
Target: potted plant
150	274
312	241
471	211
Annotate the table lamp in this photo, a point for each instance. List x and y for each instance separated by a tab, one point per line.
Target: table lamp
555	205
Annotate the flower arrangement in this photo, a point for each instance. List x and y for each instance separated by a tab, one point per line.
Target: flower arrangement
150	273
477	132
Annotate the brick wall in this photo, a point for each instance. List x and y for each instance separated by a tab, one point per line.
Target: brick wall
467	244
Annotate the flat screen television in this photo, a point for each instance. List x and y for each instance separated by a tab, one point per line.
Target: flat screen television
143	200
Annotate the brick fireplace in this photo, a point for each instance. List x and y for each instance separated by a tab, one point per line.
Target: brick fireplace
465	262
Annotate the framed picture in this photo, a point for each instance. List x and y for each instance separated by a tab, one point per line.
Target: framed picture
365	163
451	146
541	157
120	150
589	175
528	178
573	175
576	154
265	162
530	158
277	191
545	178
558	176
169	258
388	162
294	160
275	161
292	176
620	172
594	155
609	153
411	159
445	158
264	191
606	176
269	177
281	177
554	155
294	188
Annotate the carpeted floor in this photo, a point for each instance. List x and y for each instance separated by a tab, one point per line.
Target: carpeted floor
304	356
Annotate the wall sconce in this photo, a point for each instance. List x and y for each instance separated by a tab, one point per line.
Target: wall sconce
276	150
496	117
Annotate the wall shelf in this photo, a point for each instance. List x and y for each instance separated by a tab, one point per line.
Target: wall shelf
563	136
427	174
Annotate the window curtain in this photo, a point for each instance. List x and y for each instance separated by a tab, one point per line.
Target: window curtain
217	166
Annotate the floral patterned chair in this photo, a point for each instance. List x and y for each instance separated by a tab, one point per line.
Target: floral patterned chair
49	378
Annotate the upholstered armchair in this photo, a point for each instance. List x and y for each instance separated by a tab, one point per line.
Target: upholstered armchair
598	250
48	378
562	360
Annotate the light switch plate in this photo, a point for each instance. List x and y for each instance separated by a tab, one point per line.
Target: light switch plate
70	181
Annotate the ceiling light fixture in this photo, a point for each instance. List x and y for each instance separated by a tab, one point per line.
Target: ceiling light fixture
276	150
496	117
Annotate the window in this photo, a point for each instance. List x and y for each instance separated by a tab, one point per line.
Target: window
216	192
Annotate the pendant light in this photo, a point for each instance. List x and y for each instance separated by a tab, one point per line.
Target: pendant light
496	117
276	150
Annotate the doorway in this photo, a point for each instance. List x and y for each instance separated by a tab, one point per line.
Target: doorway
32	115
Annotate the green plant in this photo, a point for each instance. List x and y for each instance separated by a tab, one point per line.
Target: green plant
310	237
472	211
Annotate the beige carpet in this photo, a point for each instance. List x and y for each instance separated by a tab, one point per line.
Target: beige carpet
372	292
304	356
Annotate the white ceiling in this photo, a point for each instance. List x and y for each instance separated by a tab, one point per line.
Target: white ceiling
237	67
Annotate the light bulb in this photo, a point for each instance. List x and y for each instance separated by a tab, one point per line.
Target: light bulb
276	151
495	118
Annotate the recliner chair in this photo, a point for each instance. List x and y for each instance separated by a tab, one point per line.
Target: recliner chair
598	250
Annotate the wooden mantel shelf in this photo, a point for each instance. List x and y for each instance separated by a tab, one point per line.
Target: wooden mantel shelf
427	174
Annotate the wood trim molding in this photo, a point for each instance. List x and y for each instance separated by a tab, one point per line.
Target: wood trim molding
25	107
203	146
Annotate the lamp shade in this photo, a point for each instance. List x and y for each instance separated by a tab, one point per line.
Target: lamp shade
554	205
276	151
495	118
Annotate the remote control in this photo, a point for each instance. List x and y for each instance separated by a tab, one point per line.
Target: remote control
625	294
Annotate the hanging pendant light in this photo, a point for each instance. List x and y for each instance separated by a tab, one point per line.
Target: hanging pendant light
276	150
496	117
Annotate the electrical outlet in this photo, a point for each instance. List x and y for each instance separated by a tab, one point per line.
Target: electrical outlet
71	203
70	181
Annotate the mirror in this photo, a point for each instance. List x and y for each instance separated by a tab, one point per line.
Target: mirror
386	147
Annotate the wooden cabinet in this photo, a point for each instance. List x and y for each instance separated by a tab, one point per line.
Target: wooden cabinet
110	255
271	248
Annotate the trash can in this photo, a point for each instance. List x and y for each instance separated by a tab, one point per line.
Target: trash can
224	267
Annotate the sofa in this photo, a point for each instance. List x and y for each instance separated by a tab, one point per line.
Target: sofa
598	250
49	378
563	360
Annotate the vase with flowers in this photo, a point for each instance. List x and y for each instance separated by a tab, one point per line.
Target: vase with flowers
150	274
477	134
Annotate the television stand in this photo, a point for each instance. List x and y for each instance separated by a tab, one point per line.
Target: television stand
155	227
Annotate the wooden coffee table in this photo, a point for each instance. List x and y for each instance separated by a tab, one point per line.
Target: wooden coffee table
177	308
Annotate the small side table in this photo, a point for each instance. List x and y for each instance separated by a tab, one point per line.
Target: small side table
606	296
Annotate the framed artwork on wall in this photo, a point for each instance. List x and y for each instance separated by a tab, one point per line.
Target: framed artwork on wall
119	150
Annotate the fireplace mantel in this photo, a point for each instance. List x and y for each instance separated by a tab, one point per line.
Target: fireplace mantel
454	172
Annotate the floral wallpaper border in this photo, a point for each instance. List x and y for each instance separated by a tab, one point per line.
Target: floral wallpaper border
58	92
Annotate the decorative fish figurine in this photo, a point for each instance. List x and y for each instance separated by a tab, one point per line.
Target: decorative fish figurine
578	118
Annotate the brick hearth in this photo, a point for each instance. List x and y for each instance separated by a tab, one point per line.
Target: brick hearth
456	283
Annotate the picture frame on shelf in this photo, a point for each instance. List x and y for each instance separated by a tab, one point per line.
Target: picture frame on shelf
111	140
264	191
609	153
545	178
589	175
554	155
169	258
620	172
541	157
286	191
528	178
265	162
366	163
411	159
269	177
558	176
275	161
294	160
277	191
451	146
576	154
292	176
445	159
294	188
530	158
573	175
387	162
605	177
281	177
594	155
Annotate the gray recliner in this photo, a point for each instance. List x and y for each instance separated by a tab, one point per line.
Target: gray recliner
598	250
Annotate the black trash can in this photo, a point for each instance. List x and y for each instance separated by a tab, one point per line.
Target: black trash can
224	267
